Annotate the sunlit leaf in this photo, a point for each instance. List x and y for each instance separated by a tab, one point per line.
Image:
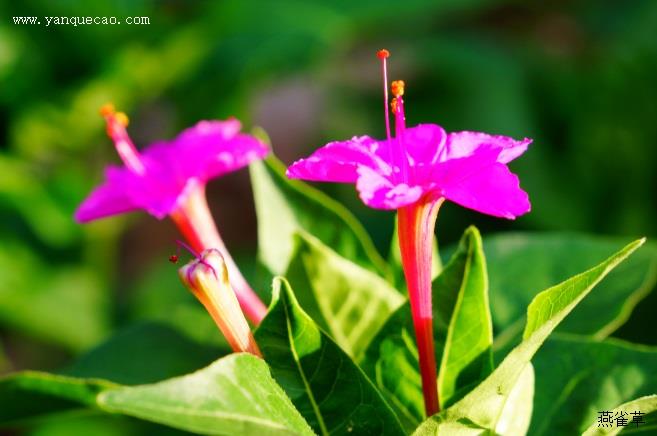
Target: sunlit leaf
325	385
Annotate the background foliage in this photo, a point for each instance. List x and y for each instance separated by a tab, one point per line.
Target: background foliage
577	76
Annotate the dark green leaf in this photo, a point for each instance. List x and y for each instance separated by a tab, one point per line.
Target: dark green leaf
285	206
349	302
33	394
145	353
587	377
484	406
327	387
521	263
462	335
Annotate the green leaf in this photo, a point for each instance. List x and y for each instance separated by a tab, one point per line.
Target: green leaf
577	377
394	260
32	394
144	353
482	408
286	206
325	385
467	355
462	336
97	425
647	405
520	263
349	302
234	395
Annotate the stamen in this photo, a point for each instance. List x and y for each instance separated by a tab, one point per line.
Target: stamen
397	87
397	104
383	54
116	124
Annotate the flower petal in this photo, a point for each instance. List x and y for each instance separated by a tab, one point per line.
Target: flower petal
463	144
339	161
482	183
380	193
207	150
110	198
424	143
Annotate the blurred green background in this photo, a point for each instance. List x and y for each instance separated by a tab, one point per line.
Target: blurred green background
577	76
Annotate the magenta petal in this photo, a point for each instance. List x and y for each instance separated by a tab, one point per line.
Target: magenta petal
424	143
209	131
207	150
482	183
463	144
380	193
230	156
339	161
108	199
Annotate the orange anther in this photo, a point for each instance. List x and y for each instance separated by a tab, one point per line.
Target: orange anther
382	54
107	109
397	88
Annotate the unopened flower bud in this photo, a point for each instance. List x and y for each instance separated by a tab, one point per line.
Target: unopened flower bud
207	278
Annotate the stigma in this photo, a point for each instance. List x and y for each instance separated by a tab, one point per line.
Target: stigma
116	130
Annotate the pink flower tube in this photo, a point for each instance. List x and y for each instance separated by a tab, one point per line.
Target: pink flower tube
414	172
169	178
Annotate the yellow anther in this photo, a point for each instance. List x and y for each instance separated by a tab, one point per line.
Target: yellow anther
397	88
121	118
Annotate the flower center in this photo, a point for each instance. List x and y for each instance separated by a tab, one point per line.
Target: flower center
116	124
397	146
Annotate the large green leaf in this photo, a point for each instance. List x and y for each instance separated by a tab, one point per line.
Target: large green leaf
285	206
326	386
234	395
350	302
481	410
521	263
646	405
577	377
462	335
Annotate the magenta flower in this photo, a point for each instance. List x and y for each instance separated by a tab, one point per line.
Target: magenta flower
169	178
414	172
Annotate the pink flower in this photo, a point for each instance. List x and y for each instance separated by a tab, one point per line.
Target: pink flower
414	171
169	178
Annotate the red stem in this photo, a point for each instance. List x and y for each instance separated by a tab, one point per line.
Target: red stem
197	226
416	231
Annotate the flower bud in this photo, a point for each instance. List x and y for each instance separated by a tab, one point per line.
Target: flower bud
207	278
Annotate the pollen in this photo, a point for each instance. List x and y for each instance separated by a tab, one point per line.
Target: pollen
397	88
382	54
393	105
